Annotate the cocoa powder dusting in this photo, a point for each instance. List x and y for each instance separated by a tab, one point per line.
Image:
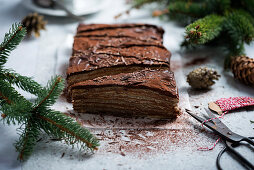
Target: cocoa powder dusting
145	142
141	137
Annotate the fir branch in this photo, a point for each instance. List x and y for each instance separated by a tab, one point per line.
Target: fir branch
8	93
18	112
239	26
4	99
11	40
72	132
50	129
23	82
204	30
49	94
35	117
14	106
27	140
188	8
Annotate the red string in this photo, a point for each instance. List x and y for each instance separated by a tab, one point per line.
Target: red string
209	148
226	105
202	124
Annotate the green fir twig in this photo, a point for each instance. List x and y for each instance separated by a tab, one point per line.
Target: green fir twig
11	40
36	116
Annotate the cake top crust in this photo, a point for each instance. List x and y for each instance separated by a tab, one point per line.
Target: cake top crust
93	27
161	81
136	44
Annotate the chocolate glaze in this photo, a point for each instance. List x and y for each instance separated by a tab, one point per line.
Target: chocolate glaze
81	62
133	45
135	33
86	60
153	79
94	27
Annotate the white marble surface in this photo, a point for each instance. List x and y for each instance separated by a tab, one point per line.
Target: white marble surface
48	55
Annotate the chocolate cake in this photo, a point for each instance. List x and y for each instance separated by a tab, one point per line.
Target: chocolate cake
121	69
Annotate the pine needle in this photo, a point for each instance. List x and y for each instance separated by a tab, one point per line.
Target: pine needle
204	30
27	140
11	40
49	94
23	82
73	133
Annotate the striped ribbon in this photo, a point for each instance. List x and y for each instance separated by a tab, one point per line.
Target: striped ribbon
226	105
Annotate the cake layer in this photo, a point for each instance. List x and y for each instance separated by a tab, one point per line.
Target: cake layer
112	60
122	101
91	43
88	75
147	92
140	32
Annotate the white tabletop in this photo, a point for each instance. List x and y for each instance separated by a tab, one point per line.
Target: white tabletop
174	145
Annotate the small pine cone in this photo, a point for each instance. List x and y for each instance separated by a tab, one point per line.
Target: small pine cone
243	69
34	23
202	78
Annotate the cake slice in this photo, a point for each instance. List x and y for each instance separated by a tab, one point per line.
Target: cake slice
121	69
150	92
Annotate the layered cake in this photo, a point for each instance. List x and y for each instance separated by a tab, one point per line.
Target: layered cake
121	69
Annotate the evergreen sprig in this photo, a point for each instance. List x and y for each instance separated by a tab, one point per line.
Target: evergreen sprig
23	82
199	31
213	21
35	117
11	40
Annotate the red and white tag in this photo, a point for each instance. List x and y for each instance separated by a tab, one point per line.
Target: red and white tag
225	105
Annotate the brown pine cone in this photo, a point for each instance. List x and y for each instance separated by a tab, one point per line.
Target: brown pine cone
34	23
202	78
243	69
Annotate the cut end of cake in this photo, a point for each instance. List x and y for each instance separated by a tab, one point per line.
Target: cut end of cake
143	93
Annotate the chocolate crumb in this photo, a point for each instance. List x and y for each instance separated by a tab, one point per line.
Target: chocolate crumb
110	143
123	154
62	155
120	148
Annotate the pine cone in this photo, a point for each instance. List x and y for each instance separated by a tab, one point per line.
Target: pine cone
202	78
243	69
34	23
